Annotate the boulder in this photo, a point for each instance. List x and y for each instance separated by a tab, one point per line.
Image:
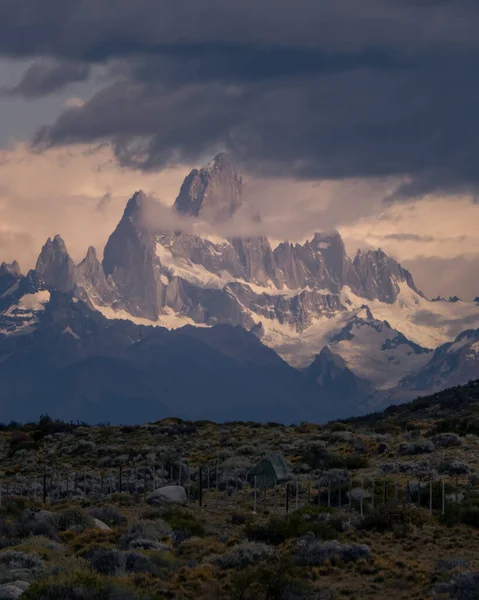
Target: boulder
100	525
10	592
169	494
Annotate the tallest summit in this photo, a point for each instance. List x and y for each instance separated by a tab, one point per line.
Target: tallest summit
214	192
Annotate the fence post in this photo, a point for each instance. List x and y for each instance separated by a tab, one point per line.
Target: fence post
443	505
200	487
361	498
208	484
254	502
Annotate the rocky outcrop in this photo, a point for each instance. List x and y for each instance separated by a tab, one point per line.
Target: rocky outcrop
338	383
9	275
55	266
257	258
92	283
129	259
214	192
377	275
169	494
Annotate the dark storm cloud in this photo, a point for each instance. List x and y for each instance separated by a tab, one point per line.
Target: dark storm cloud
45	77
293	87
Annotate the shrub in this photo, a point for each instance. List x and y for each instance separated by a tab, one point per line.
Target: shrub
466	513
313	552
394	518
42	542
241	556
446	440
184	522
74	519
82	587
277	530
416	447
13	559
107	561
153	531
464	586
146	544
107	515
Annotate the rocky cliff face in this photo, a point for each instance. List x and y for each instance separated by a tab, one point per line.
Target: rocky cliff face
9	275
214	192
310	302
129	260
55	266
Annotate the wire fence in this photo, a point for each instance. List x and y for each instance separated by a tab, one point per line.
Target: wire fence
221	489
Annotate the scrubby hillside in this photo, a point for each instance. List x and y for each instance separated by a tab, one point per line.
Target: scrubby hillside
364	514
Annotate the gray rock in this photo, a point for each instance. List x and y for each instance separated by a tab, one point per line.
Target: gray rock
55	266
23	585
10	592
214	192
170	494
100	525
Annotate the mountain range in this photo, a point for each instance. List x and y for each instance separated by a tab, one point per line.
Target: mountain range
202	326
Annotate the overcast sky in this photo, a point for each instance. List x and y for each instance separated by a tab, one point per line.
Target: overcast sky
360	116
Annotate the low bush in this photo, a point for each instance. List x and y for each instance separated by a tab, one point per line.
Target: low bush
155	531
277	530
466	513
82	587
463	586
446	440
75	519
416	447
313	552
185	522
394	518
13	559
107	515
241	555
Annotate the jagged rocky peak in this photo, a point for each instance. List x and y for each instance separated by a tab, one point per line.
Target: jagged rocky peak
129	260
9	275
213	192
10	269
378	275
55	266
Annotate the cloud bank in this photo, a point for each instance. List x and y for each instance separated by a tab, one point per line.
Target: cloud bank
295	88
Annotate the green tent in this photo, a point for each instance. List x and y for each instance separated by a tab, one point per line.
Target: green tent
271	471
